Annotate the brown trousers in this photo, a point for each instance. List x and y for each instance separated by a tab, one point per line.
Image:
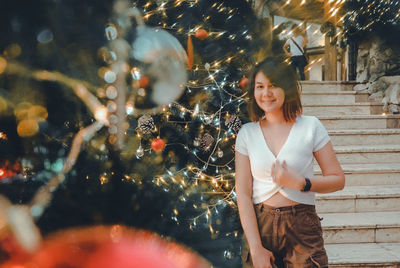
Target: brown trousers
293	234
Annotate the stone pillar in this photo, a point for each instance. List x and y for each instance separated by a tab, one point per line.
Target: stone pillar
330	46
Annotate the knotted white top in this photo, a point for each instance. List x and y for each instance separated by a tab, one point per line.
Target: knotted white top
306	136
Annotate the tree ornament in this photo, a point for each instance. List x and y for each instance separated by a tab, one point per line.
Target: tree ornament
146	124
201	34
206	142
158	145
143	81
162	60
220	153
208	119
243	83
233	122
115	246
140	151
196	142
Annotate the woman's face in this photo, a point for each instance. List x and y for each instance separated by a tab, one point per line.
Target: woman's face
268	97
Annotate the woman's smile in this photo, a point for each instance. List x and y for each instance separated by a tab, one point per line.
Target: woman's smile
268	96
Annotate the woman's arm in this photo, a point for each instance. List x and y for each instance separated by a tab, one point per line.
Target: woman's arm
332	178
244	189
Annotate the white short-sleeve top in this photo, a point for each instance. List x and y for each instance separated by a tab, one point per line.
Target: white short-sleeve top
306	136
295	50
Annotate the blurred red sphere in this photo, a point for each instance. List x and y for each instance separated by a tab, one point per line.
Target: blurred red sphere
243	82
114	246
158	145
201	34
143	81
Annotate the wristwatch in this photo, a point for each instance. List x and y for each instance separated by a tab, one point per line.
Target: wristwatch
307	186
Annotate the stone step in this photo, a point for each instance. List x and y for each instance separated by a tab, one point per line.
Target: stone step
362	227
365	136
366	255
361	108
360	199
360	121
356	154
333	97
307	86
369	174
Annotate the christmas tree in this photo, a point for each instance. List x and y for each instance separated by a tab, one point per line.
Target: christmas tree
360	18
157	155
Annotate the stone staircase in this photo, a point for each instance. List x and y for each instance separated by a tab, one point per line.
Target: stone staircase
361	223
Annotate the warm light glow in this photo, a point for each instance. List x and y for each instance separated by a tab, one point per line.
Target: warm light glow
3	64
3	136
101	114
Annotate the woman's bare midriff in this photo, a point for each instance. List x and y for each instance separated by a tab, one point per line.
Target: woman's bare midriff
278	200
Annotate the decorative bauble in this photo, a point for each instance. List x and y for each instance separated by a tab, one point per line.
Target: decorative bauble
11	250
243	83
158	145
196	142
114	246
220	153
201	34
146	124
233	122
206	142
162	60
208	119
140	151
143	81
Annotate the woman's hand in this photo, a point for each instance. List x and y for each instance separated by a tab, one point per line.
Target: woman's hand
285	176
262	258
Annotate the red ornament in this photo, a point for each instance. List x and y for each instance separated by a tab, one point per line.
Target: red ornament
201	34
158	145
243	82
144	81
9	245
114	246
9	169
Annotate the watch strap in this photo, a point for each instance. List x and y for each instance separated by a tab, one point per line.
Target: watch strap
307	185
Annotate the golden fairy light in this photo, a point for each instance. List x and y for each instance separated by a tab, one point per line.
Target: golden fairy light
3	136
3	64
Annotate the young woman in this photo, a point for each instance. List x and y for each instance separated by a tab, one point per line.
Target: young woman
275	182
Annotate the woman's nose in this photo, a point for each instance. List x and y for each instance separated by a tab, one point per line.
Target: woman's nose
267	91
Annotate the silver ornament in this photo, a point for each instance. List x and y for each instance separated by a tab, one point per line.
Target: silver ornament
140	151
163	61
196	142
208	119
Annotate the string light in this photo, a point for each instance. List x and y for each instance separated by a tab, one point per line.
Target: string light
220	182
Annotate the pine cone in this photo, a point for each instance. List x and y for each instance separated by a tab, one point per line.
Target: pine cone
206	141
233	122
146	124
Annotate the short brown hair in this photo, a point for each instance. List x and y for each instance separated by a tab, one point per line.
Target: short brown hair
281	75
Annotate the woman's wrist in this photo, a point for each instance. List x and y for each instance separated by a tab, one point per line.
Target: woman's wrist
254	248
301	183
